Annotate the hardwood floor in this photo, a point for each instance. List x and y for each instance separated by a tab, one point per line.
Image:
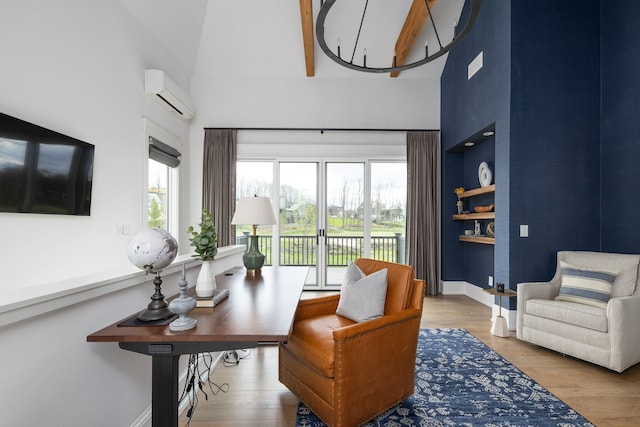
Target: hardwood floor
256	398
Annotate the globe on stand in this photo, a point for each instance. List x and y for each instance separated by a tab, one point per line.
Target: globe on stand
151	250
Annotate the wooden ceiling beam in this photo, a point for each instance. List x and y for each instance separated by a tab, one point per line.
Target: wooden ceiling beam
417	16
306	16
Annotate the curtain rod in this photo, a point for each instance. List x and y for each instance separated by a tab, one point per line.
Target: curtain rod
321	130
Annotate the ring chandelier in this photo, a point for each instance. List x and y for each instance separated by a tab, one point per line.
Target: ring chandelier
457	38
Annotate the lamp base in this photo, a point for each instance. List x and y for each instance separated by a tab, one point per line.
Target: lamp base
252	259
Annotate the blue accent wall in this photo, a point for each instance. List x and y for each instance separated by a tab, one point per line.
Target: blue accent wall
540	88
620	138
467	107
555	115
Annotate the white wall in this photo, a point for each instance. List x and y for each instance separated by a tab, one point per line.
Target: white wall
52	376
77	67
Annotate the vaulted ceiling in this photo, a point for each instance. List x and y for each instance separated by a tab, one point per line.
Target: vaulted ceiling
174	24
390	26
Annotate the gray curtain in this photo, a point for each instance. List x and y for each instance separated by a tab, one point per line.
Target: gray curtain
423	207
219	180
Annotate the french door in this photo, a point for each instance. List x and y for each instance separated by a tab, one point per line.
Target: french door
345	223
332	212
298	223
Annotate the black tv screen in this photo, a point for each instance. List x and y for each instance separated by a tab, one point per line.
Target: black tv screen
42	171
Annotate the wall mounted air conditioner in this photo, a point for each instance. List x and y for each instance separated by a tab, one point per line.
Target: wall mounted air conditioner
164	91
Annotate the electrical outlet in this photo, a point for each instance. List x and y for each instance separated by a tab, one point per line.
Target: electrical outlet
491	281
524	230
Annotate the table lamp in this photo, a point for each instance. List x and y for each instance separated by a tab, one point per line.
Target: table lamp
255	211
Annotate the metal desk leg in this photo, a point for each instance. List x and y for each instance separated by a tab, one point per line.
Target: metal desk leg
164	391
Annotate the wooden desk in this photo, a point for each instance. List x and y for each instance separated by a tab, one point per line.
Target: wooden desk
499	326
259	309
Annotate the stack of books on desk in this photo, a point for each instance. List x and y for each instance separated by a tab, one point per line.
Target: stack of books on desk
218	296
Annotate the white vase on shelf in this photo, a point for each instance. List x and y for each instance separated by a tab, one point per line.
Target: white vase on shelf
206	282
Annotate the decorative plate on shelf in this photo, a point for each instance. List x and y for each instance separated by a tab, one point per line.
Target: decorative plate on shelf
484	175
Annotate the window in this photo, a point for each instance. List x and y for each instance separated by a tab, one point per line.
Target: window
330	212
255	179
339	195
162	178
159	179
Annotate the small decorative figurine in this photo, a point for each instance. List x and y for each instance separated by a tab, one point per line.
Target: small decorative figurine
476	228
181	306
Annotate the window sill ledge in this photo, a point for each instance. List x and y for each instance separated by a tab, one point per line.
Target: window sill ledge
20	304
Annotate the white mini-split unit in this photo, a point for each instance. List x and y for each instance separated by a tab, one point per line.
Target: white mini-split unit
167	93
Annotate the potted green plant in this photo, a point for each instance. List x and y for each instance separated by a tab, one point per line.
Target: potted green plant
205	245
205	242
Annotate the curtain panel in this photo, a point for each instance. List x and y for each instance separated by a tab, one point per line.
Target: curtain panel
219	180
423	207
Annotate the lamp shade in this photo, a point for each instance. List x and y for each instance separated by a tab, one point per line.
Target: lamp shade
255	211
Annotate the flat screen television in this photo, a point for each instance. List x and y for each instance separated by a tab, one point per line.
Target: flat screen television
42	171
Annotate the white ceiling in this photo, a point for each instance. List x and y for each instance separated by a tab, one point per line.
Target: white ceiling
177	25
174	24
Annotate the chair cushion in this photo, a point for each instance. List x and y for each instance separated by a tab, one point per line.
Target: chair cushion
585	286
312	341
571	313
362	297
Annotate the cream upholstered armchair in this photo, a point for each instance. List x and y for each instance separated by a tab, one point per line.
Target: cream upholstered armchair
345	371
589	310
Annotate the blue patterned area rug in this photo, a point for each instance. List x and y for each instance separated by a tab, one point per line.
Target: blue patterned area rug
462	382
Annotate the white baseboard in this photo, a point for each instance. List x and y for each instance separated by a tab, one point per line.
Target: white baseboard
144	420
476	293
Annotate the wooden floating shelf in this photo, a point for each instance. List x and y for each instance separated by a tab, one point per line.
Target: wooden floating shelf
478	239
482	215
475	191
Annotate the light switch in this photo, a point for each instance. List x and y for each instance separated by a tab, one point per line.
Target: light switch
123	229
524	230
474	66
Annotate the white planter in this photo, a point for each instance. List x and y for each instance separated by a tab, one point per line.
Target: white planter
206	283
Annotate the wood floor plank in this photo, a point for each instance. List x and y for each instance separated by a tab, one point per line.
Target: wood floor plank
256	397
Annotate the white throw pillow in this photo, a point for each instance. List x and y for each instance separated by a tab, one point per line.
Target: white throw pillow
362	297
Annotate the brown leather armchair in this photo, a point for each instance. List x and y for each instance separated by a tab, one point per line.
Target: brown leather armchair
348	372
